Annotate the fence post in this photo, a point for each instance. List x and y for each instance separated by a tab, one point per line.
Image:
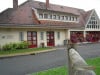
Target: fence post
70	45
76	64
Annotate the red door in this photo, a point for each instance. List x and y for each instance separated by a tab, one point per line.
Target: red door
32	39
50	38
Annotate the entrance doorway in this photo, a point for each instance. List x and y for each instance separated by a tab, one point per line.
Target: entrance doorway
32	39
50	38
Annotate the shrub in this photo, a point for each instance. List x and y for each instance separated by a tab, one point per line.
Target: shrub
23	45
7	47
14	46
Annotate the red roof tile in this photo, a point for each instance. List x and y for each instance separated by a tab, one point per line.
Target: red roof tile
25	15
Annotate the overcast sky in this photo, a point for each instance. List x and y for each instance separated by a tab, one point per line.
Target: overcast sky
83	4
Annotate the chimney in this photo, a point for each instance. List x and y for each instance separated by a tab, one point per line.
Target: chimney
15	4
47	3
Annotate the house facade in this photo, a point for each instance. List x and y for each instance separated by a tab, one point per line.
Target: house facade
48	24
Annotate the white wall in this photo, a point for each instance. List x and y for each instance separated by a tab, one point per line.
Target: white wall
12	35
8	35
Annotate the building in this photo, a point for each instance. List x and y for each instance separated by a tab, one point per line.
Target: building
48	24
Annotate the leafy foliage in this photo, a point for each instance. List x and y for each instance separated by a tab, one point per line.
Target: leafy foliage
14	46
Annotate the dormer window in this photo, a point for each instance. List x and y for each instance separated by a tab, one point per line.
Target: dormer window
66	17
50	16
45	16
73	18
54	16
57	16
62	17
41	16
70	18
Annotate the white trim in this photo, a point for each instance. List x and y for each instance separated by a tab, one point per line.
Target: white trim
59	20
35	10
97	19
89	18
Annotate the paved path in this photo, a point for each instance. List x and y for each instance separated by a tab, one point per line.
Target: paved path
32	63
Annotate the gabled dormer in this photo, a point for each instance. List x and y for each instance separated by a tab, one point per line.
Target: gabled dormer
57	16
93	22
52	12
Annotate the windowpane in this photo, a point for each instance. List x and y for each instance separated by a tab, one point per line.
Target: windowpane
58	35
62	17
42	35
66	17
45	16
21	36
72	18
50	16
41	16
58	17
54	16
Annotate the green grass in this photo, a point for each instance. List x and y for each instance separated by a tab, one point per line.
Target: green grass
22	50
63	70
96	63
54	71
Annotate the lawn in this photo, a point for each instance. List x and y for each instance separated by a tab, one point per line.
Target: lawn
55	71
63	70
96	63
22	50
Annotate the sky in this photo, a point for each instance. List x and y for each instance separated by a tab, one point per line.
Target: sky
82	4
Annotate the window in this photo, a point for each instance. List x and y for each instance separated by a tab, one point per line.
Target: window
72	18
41	16
58	35
89	22
66	17
62	17
58	17
21	36
42	35
93	18
50	16
76	18
45	16
54	16
87	26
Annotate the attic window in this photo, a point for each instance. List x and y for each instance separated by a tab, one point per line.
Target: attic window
54	16
40	16
58	17
62	17
76	18
73	18
45	16
66	17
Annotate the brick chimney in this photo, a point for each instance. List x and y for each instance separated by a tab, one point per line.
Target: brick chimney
47	3
15	4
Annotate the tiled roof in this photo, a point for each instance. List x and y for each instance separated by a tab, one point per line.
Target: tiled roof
24	15
58	8
57	23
